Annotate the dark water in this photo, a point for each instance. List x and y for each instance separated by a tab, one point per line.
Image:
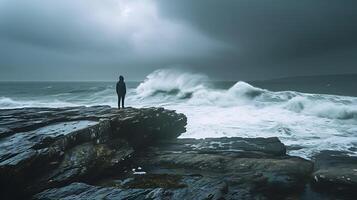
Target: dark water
345	85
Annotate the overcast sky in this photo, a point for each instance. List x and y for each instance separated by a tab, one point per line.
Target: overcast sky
227	40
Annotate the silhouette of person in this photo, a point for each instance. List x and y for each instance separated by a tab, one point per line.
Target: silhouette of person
121	91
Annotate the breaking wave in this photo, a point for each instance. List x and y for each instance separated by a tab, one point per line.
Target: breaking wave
195	89
326	108
171	82
308	122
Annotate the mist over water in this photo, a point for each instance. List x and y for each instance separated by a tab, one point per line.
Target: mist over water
307	123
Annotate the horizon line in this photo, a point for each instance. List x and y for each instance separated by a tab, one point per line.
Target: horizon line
282	77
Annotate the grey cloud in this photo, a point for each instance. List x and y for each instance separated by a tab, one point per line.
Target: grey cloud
272	26
97	37
273	38
245	39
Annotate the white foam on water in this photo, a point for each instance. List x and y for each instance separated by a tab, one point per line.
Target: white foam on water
7	103
313	122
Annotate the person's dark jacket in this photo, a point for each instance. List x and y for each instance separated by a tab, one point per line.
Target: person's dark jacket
121	88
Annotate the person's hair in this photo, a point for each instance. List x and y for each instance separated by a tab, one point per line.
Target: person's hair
121	78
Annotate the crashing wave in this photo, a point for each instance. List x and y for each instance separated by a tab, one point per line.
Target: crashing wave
171	84
322	107
169	87
183	85
243	89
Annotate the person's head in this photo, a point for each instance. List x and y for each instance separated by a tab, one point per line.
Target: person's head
121	78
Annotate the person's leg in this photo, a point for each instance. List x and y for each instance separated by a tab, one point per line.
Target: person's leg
118	102
122	101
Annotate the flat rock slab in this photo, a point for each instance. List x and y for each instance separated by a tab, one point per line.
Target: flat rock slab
26	119
63	128
244	147
83	191
256	164
21	147
222	168
188	188
335	172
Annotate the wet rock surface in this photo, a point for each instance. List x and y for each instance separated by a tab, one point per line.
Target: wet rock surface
224	168
105	153
335	172
42	148
234	168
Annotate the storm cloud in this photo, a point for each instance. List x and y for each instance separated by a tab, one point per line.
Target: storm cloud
245	39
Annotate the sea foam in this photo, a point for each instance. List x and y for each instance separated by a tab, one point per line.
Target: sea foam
172	84
308	122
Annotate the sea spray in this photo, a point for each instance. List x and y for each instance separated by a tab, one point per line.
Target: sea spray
308	122
171	82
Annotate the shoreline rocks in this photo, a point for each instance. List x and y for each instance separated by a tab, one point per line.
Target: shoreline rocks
42	148
102	152
335	171
242	168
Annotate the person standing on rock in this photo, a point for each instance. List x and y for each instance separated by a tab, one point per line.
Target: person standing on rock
121	91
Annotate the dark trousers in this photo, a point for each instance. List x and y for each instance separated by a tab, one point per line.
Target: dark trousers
121	98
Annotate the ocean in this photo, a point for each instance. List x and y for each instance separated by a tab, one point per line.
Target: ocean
308	114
